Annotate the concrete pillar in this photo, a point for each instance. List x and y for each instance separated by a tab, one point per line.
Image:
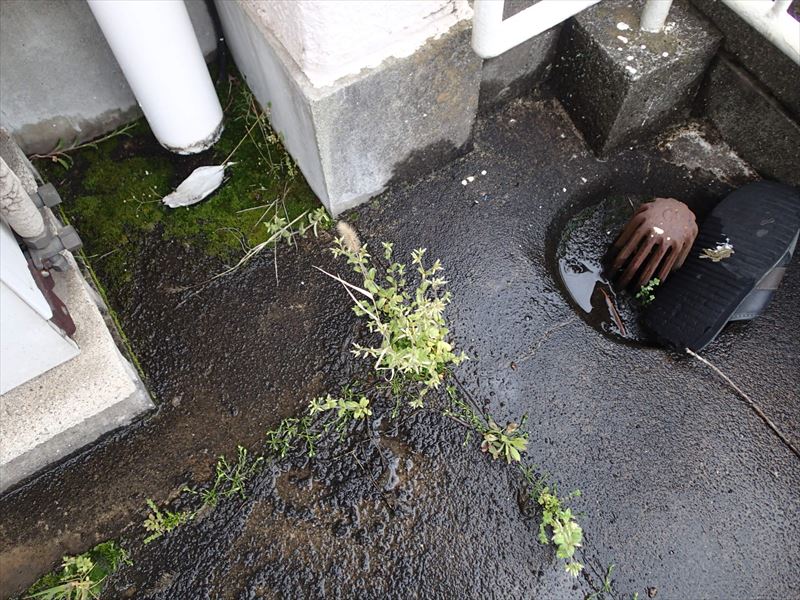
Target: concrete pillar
363	92
620	83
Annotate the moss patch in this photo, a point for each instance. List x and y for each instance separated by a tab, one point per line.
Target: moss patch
112	192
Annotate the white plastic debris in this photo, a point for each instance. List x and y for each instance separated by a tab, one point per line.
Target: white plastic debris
483	172
622	39
623	26
630	70
463	182
471	178
197	186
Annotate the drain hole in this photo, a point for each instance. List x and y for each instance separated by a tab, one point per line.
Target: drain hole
580	254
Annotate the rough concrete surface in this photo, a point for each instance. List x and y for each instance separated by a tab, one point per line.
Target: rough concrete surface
71	405
752	122
426	102
684	489
618	82
60	80
749	48
349	137
518	71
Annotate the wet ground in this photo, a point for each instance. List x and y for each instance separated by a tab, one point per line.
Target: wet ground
684	489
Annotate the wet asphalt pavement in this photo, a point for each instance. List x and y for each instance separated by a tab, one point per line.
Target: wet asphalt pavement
684	489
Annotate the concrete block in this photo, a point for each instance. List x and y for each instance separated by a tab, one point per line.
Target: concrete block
402	118
753	122
760	58
517	72
59	77
71	405
619	83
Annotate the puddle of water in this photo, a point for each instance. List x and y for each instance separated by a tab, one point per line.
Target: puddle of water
580	257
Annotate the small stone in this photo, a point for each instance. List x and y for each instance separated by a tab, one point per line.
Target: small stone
470	178
622	39
623	26
629	57
483	172
631	70
652	591
584	180
665	54
463	182
643	47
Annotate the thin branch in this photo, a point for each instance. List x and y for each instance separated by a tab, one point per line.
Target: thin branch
756	408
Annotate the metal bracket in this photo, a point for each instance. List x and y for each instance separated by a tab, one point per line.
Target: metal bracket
46	249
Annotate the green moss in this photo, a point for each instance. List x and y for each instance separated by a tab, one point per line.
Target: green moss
112	192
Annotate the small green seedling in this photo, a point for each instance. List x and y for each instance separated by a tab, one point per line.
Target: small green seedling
507	443
646	293
565	532
159	523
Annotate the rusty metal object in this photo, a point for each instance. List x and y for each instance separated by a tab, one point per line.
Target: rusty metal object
657	239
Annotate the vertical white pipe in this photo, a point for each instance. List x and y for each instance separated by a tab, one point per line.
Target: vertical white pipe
654	15
781	6
156	47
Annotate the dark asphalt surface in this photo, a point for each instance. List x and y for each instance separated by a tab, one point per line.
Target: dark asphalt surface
684	489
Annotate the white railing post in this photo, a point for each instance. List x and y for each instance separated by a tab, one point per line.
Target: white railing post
654	15
772	21
491	35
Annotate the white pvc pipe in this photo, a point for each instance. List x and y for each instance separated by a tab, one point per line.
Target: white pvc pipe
156	47
491	35
773	22
654	15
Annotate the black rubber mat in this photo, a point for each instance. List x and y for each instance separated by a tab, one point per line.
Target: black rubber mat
759	221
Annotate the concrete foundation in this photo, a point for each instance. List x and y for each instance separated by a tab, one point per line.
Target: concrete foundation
353	137
753	122
59	79
71	405
619	83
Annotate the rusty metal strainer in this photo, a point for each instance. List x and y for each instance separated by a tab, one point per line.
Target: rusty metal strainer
658	238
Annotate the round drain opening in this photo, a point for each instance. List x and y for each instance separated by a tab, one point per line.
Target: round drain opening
580	261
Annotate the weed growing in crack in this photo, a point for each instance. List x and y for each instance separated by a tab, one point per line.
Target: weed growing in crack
83	576
508	442
280	229
647	293
159	523
410	322
557	523
607	586
230	479
345	408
